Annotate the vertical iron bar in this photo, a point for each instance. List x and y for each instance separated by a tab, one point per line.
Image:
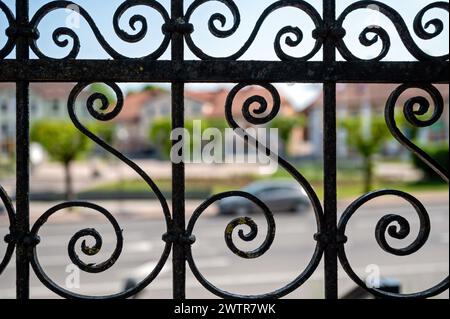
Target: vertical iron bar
178	170
22	159
330	176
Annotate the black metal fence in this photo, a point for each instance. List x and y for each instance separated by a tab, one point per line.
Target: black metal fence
329	36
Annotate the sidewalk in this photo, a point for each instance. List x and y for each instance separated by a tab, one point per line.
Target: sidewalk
50	176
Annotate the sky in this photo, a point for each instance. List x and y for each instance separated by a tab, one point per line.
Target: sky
262	49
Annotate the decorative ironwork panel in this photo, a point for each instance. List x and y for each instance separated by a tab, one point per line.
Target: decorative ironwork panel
178	34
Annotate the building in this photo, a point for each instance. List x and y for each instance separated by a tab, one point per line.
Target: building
214	101
47	100
214	107
365	100
140	110
143	108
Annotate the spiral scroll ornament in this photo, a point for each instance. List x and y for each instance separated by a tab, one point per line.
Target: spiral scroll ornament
9	31
394	225
137	23
257	111
10	238
414	110
372	34
99	108
294	35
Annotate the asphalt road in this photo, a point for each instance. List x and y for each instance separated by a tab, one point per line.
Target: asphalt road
286	259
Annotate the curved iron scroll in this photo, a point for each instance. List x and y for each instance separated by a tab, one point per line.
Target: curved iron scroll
379	33
257	115
414	109
328	36
294	34
134	22
9	31
10	238
103	113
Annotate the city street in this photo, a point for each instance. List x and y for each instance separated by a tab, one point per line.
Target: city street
285	260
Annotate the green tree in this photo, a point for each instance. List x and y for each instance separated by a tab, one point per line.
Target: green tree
151	88
103	130
366	142
219	123
161	128
64	144
160	135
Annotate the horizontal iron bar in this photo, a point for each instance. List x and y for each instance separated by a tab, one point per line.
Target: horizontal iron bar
222	71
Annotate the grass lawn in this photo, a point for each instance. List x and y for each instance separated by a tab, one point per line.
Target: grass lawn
350	184
349	191
211	185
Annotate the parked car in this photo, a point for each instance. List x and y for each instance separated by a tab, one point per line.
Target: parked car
280	196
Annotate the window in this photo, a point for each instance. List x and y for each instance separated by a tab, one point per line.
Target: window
197	108
4	107
33	108
165	109
5	129
55	106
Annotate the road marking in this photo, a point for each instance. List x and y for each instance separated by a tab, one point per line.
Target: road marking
146	269
140	247
240	280
206	263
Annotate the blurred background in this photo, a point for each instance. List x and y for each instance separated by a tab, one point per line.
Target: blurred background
66	165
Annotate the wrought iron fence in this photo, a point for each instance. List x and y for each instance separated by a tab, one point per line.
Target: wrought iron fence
329	37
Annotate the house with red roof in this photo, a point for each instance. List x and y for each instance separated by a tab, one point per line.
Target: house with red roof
144	107
365	100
